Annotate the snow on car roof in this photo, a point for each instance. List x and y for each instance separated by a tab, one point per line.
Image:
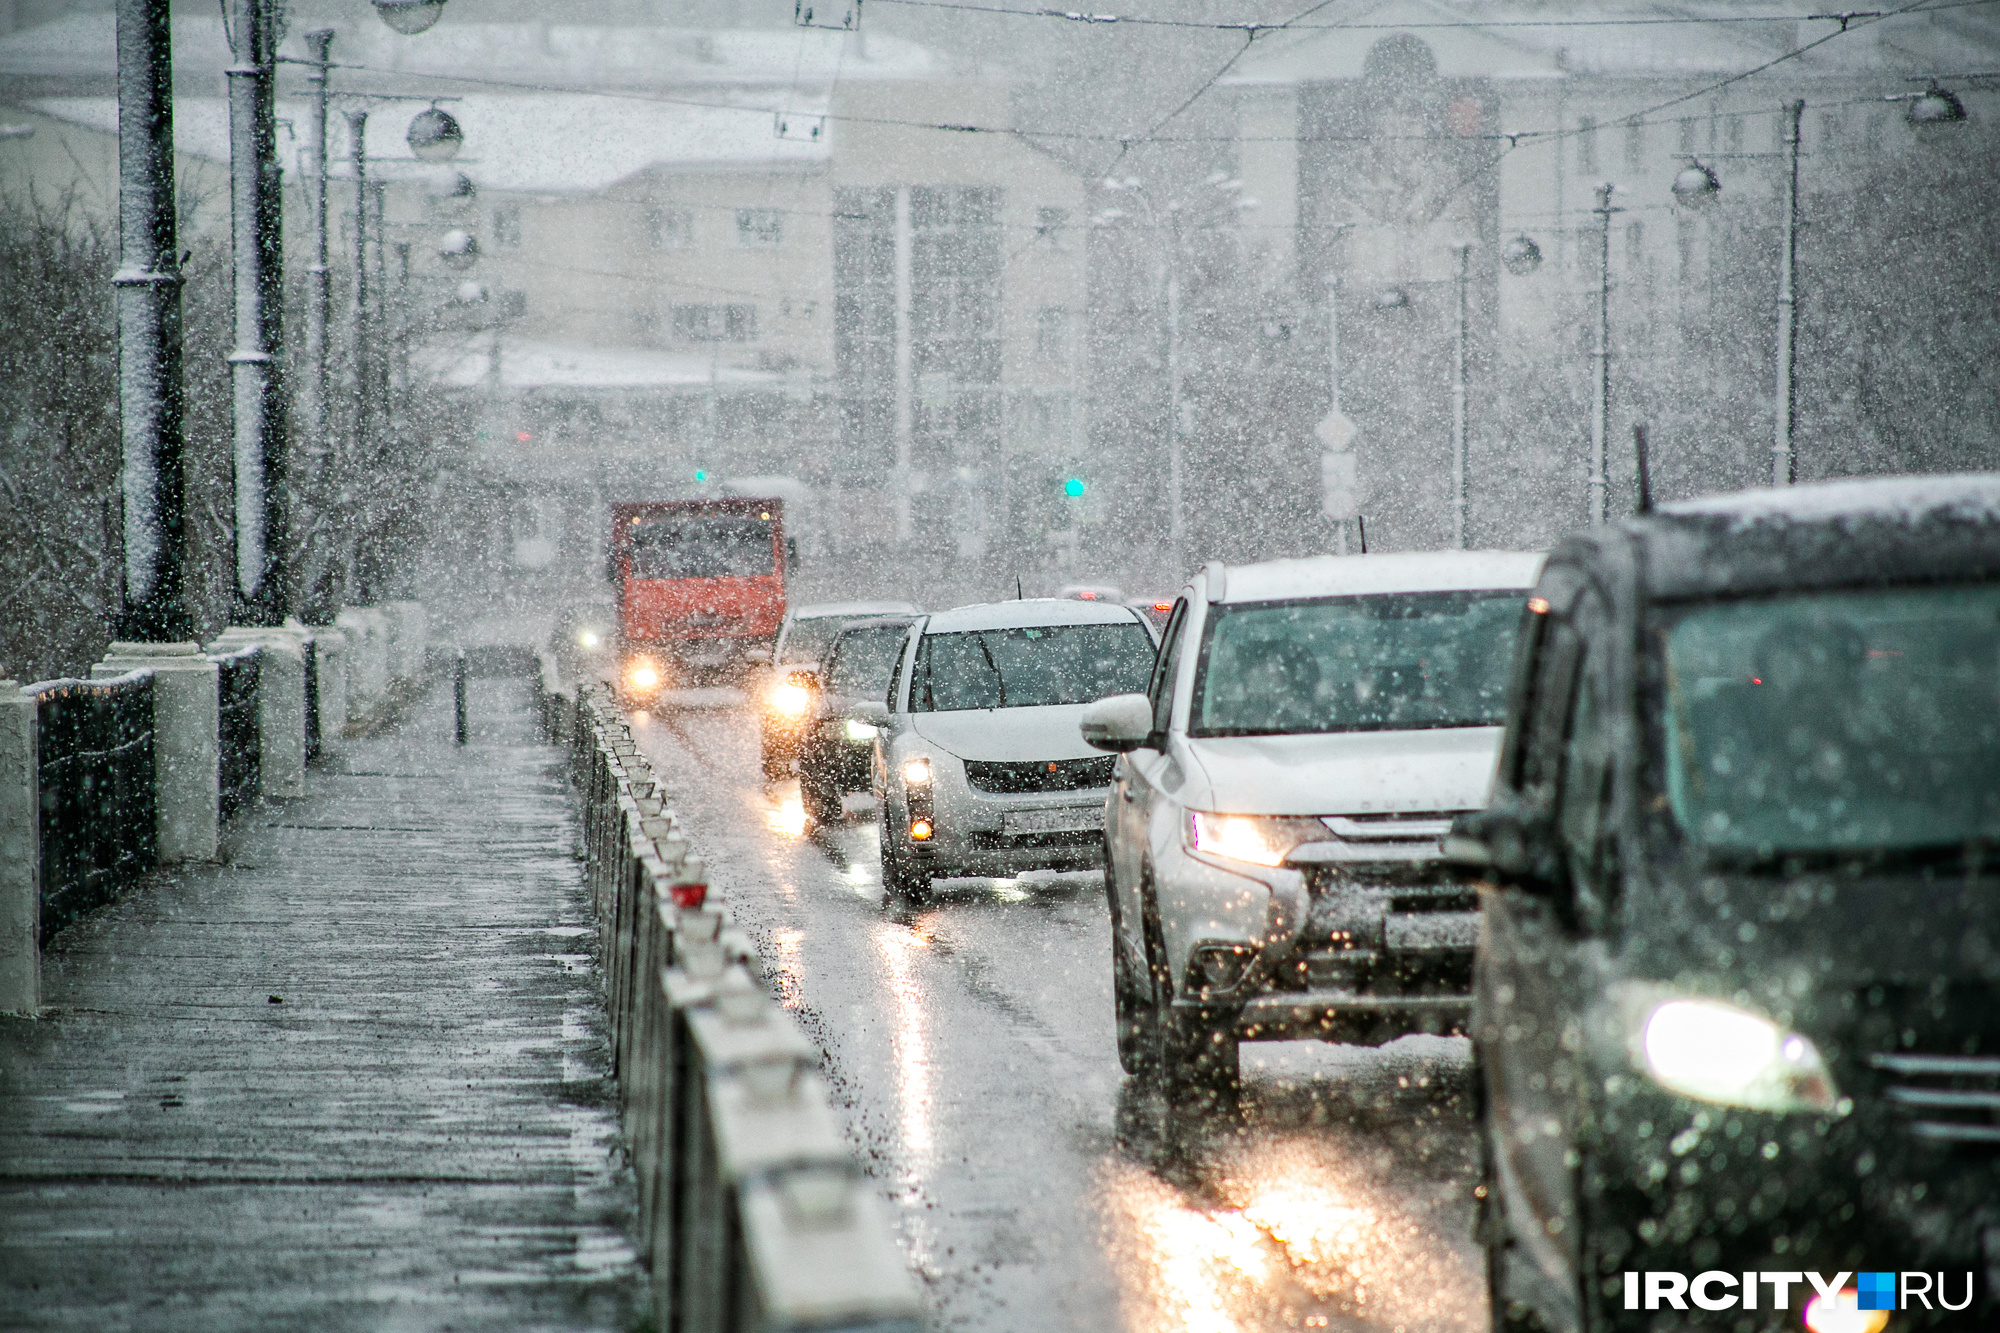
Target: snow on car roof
1033	611
1968	495
1358	575
828	610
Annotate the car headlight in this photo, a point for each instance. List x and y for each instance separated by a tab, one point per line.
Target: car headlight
789	700
588	638
643	675
917	772
1717	1052
1264	840
857	730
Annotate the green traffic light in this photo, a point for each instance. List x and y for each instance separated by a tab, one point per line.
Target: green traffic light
1073	487
701	474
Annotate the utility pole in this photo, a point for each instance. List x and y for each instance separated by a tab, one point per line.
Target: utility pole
351	481
263	595
148	291
1458	490
905	364
1600	394
1784	461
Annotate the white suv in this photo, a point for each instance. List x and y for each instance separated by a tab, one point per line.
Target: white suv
1272	835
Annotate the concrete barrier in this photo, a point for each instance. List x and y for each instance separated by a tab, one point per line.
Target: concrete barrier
281	704
752	1213
408	638
185	750
20	854
329	677
367	631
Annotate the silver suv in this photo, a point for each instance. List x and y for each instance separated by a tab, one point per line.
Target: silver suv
1272	835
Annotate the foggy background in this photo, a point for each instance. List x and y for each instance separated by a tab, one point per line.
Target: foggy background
688	220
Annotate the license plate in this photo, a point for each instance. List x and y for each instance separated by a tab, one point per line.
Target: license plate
1070	819
1431	930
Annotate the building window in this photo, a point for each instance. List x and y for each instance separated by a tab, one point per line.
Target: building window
759	228
1052	227
715	323
507	226
669	228
1052	334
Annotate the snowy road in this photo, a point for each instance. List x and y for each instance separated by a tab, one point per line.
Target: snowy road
1036	1188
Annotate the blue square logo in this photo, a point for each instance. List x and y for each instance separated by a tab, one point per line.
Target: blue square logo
1875	1291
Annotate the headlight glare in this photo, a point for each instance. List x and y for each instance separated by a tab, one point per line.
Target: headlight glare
643	675
588	638
1264	840
917	772
790	700
1717	1052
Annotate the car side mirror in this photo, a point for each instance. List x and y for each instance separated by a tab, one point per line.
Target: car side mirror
1509	844
806	678
1118	723
761	656
869	710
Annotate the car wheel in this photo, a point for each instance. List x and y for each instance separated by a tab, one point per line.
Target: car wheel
1136	1016
777	767
821	806
1188	1054
901	882
1505	1314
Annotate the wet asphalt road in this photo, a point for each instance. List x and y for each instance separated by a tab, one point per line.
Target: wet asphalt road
1034	1186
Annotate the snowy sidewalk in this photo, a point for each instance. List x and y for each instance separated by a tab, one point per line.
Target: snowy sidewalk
353	1078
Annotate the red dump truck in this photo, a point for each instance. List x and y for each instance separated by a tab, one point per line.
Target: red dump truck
700	587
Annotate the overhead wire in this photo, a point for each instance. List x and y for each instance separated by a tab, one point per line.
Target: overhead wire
1257	25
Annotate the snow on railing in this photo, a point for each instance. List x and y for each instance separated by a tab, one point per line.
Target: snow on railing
752	1213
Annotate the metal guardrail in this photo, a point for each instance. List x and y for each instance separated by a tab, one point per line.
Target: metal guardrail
752	1213
97	821
237	736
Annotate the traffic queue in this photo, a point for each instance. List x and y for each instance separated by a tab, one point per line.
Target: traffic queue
1689	826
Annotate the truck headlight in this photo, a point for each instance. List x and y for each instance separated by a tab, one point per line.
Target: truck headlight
1717	1052
1264	840
857	730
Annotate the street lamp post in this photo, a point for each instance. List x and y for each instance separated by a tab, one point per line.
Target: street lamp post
256	207
1176	515
1784	461
319	275
1600	388
1458	487
148	290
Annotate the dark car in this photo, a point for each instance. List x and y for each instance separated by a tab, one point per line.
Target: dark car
846	715
1737	999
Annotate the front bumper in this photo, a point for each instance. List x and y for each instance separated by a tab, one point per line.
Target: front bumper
1365	955
978	832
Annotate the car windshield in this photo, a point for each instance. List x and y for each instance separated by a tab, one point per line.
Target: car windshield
806	641
1029	666
703	547
863	659
1386	662
1832	722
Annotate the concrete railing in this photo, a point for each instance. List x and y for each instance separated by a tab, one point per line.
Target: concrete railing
752	1214
102	779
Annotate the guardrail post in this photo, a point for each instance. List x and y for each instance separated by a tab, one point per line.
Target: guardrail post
186	751
330	658
458	695
20	854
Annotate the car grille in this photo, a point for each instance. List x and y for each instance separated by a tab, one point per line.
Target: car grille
1929	1055
1951	1099
1039	775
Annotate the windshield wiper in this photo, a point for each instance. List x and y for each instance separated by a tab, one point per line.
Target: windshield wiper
987	653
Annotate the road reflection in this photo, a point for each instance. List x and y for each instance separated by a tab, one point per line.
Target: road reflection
1339	1199
910	1039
